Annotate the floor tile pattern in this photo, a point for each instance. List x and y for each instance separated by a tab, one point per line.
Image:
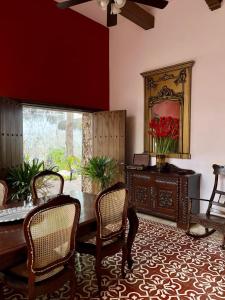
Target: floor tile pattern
167	265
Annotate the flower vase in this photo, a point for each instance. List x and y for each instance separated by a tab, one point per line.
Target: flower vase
160	162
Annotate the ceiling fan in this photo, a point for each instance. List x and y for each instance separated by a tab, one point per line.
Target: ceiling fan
127	8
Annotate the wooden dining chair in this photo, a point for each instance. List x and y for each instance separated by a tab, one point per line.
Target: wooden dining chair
50	232
3	192
111	214
1	291
214	217
47	184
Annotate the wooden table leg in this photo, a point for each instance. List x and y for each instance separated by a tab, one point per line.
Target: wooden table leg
133	228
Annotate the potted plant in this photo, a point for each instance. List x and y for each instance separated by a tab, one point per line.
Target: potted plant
101	169
19	178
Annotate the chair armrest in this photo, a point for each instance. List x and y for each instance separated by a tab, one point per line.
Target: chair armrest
191	204
199	199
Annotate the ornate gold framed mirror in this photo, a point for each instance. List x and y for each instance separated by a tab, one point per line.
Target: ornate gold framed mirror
168	96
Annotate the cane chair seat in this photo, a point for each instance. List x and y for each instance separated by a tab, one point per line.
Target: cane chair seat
49	232
87	243
47	184
22	272
214	218
20	282
3	192
111	214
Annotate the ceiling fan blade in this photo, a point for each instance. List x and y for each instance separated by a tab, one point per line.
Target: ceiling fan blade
111	19
214	4
155	3
69	3
138	15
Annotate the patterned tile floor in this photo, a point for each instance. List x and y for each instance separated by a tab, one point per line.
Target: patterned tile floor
167	265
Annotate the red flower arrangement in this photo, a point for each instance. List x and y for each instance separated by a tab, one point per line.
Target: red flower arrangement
165	131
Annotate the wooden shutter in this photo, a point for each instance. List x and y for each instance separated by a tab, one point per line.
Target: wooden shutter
11	139
104	135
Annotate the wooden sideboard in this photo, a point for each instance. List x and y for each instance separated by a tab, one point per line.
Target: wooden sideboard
164	194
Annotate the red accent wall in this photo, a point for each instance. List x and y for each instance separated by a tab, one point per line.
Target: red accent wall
53	56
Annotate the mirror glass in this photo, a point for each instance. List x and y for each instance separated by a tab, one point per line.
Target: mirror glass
166	108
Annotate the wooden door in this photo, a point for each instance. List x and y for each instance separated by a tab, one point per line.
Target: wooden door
104	135
11	135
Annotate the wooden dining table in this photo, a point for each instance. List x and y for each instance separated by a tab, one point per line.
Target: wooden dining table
12	242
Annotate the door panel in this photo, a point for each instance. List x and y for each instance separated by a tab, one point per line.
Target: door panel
164	199
141	192
11	135
107	138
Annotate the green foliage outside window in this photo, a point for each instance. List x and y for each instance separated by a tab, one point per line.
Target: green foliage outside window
58	158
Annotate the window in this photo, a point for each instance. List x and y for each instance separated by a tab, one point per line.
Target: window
54	137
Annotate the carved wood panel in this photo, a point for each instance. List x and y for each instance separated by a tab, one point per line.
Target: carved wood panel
166	199
141	194
87	148
167	196
141	191
11	135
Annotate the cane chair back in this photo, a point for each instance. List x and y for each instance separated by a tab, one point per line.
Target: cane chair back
3	192
49	231
50	235
47	184
111	211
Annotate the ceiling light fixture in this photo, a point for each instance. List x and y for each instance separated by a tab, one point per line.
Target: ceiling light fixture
103	4
116	5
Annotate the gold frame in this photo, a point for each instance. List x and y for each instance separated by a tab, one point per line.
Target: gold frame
170	83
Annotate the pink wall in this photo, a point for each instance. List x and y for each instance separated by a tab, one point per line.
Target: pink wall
53	56
185	30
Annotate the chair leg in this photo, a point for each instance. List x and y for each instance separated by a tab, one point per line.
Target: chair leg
124	258
31	295
1	291
223	244
31	292
203	235
98	273
73	287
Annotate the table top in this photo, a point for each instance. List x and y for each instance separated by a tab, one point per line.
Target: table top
12	237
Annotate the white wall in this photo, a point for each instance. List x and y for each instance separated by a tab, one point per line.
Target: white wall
184	30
